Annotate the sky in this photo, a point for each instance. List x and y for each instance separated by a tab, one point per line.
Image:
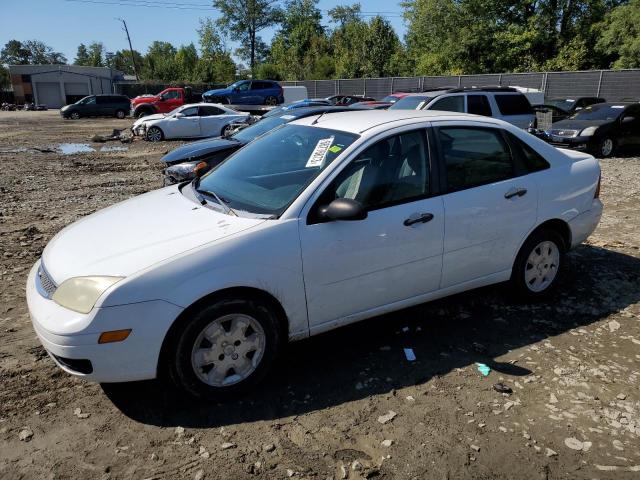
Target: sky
64	24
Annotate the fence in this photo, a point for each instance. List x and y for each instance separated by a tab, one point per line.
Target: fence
613	85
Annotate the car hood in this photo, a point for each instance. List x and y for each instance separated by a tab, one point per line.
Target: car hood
197	149
148	118
136	234
145	99
217	91
570	124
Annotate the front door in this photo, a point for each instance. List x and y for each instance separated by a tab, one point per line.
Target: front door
395	254
630	127
490	205
185	126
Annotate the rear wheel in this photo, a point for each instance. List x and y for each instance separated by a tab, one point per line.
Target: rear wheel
224	349
74	116
538	264
271	100
154	134
121	114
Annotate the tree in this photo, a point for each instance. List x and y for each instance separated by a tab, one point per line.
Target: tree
14	53
244	19
82	55
96	54
344	14
215	64
186	62
5	79
30	52
121	60
381	44
160	62
619	42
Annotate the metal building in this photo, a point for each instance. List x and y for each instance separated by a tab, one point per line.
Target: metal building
59	85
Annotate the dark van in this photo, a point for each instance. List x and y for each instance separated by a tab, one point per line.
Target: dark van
98	106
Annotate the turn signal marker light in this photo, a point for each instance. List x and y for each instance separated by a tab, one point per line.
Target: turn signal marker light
114	336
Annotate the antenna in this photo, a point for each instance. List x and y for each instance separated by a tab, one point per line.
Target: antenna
319	117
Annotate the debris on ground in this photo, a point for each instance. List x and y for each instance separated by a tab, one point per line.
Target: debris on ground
387	417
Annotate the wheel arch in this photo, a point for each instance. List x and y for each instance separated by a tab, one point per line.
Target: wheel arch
230	292
164	137
557	225
143	108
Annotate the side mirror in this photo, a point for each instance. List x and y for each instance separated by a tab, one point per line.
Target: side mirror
179	115
236	89
343	209
628	119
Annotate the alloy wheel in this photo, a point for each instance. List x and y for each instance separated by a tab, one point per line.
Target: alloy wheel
228	350
607	147
542	266
75	115
154	134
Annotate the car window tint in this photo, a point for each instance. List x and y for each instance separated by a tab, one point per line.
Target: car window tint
529	160
474	156
513	104
394	170
172	94
478	105
102	100
454	103
207	111
90	101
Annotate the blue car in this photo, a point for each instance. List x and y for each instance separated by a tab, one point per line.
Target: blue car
247	92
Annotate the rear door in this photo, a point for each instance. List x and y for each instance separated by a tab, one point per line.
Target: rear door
489	204
513	108
212	120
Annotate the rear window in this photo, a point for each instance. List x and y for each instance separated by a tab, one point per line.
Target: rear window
478	105
515	104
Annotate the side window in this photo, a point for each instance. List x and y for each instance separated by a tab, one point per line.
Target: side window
394	170
454	103
243	87
90	101
190	112
513	104
102	100
478	105
171	95
207	111
474	156
528	160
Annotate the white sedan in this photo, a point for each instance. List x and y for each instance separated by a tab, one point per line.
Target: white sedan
197	120
325	221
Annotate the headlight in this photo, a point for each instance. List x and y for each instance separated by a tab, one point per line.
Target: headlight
589	131
183	171
80	294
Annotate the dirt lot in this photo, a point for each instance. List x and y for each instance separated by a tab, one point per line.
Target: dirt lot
573	363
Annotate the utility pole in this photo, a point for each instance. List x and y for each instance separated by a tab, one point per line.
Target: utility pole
133	58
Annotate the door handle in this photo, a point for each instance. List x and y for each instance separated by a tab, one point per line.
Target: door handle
515	192
422	218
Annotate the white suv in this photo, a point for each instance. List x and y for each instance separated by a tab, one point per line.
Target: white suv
505	103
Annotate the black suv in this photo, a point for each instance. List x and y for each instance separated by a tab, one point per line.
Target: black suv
98	106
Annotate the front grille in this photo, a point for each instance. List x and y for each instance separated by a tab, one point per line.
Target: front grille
565	133
46	286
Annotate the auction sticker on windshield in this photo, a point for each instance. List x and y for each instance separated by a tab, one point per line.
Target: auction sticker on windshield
319	152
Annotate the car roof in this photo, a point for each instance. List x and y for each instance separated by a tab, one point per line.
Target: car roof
360	121
312	110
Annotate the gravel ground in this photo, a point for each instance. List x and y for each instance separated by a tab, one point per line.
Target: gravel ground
346	404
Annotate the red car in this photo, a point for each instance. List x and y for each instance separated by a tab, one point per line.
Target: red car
386	101
166	101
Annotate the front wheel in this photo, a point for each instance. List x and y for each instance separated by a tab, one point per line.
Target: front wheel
154	134
605	147
121	114
227	130
224	349
538	264
74	116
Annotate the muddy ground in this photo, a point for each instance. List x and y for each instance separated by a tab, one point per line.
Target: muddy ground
573	363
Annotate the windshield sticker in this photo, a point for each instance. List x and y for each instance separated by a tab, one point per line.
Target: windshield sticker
335	149
617	106
288	117
319	153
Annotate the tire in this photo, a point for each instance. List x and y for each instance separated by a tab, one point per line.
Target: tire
605	147
121	114
534	277
226	130
271	101
142	113
154	134
74	115
215	373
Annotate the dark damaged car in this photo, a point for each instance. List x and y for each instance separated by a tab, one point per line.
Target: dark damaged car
599	129
199	157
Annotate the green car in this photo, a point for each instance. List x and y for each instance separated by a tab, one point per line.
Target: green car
98	106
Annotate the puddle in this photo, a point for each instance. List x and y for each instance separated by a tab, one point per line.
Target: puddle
73	148
114	148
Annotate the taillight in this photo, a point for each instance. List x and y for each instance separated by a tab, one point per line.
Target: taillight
597	194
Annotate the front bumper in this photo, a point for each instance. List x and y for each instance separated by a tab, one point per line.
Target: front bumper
575	143
72	338
584	224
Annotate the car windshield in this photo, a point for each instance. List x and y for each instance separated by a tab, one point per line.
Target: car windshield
599	112
390	99
565	104
268	174
248	134
415	102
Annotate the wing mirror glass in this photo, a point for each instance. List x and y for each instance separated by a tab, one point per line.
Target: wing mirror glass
343	209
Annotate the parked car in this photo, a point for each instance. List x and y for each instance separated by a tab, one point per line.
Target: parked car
505	103
97	106
600	129
322	222
166	101
203	155
247	92
299	104
562	108
346	100
200	120
386	101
